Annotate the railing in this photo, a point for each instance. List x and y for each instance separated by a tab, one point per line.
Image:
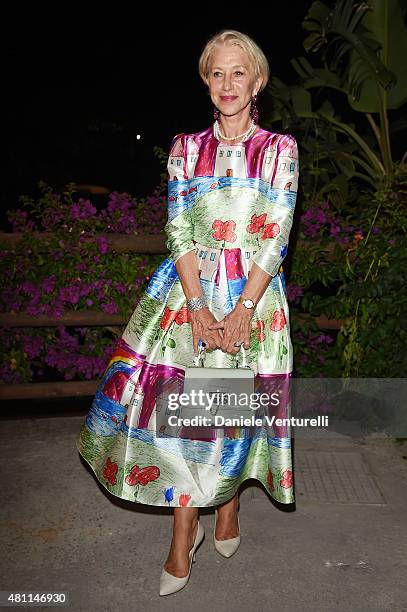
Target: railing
152	244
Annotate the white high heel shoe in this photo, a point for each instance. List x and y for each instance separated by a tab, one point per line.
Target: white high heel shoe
171	584
226	548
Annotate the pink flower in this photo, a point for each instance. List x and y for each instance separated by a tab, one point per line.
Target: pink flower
48	284
110	308
33	346
294	292
83	209
103	244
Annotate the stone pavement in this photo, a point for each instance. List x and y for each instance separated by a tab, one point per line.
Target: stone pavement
343	545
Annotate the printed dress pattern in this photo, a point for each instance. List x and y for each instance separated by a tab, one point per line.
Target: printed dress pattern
231	205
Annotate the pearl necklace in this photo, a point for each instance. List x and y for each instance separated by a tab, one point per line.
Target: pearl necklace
218	134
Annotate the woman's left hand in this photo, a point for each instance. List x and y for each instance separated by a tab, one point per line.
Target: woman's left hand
236	328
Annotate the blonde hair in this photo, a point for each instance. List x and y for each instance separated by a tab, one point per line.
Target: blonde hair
255	55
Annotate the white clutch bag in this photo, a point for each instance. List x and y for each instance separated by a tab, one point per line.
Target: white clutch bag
218	392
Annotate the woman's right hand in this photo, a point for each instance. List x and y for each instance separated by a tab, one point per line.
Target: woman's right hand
200	320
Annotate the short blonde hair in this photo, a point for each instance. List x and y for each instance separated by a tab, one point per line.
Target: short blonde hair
255	55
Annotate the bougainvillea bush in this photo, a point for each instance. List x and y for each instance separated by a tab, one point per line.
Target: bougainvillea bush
72	269
351	265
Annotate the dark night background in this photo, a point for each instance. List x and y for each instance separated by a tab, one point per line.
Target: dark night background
78	90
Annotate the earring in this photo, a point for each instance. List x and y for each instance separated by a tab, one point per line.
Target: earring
216	113
254	111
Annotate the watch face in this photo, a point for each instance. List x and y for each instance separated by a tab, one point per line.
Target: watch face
248	303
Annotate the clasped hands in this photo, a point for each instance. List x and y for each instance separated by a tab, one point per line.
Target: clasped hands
234	327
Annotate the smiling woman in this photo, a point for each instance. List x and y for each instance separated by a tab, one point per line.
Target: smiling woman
231	197
234	74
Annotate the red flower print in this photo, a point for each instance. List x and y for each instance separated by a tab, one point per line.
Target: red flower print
256	224
271	230
148	474
260	330
278	321
184	499
183	316
224	230
287	479
132	478
168	317
270	479
110	470
142	476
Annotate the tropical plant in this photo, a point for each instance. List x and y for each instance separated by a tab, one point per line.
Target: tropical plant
361	47
353	198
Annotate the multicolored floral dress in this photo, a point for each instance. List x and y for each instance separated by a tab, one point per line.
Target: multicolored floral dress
232	205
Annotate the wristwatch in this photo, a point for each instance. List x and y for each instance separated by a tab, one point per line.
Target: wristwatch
247	303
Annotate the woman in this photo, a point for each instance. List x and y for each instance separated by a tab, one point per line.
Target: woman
231	197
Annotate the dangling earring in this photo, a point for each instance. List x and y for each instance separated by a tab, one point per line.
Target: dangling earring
254	111
216	113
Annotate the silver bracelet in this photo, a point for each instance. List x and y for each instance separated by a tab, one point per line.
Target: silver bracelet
196	303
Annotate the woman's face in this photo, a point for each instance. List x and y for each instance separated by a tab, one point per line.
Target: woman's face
231	80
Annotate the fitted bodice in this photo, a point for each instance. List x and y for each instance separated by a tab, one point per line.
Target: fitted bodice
201	154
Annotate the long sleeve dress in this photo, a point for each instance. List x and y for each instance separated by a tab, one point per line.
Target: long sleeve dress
232	205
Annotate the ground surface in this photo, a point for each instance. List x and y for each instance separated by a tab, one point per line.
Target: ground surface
342	546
